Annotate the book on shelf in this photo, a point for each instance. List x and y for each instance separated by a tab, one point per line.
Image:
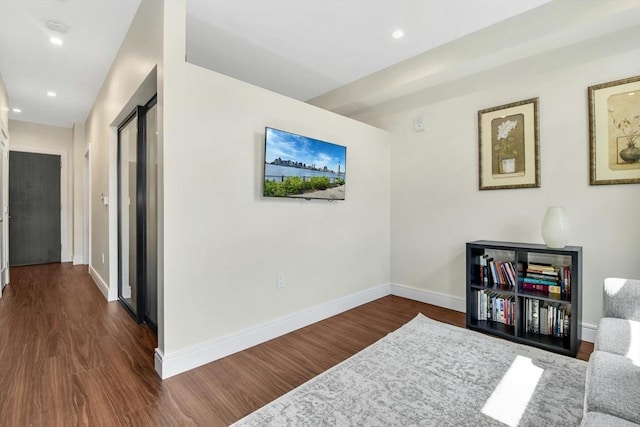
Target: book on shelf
547	278
541	267
566	280
546	318
491	272
539	281
492	306
483	263
534	287
541	276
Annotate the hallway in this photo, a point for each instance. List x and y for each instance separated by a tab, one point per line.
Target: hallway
67	356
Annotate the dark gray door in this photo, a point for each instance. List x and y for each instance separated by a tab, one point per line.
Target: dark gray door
34	208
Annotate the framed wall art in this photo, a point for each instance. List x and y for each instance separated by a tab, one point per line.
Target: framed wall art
614	132
509	146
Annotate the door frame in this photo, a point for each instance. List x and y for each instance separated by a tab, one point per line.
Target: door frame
86	207
65	221
138	114
4	206
138	313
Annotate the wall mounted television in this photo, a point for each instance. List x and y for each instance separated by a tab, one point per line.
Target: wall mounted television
300	167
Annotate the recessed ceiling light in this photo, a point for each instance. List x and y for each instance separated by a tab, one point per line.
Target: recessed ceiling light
17	110
398	34
56	41
51	94
631	93
57	26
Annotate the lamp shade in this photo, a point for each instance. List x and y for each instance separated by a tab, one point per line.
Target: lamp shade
555	227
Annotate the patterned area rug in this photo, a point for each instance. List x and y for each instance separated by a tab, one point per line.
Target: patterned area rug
432	374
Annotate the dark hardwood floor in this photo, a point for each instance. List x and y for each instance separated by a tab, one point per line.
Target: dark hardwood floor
68	357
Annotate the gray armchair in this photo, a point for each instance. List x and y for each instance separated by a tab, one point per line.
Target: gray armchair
621	299
619	329
612	394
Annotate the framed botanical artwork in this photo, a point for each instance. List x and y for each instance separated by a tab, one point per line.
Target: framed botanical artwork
509	146
614	132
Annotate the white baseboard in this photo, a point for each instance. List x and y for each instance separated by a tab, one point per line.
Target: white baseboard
589	332
78	260
4	277
168	365
102	285
429	297
183	360
158	358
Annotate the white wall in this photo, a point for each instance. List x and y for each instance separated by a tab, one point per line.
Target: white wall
56	140
224	243
137	59
436	204
4	105
79	148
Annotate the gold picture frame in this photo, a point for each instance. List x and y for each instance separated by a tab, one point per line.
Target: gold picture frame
508	146
614	132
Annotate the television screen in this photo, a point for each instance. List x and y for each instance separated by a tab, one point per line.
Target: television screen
302	167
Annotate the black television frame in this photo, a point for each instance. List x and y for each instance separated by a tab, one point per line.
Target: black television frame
295	172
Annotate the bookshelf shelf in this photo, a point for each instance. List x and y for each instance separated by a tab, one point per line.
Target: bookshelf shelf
494	288
495	328
527	293
545	296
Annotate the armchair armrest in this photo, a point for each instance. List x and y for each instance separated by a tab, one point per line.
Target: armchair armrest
621	298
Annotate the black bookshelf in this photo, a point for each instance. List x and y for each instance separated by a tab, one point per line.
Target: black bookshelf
498	303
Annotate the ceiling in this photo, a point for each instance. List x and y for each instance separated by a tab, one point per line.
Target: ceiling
300	48
31	66
303	49
336	54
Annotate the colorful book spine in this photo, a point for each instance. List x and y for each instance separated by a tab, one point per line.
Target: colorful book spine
539	281
541	267
550	279
492	306
545	318
534	287
501	273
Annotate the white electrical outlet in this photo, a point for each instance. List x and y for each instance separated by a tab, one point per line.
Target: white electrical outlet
419	123
280	281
